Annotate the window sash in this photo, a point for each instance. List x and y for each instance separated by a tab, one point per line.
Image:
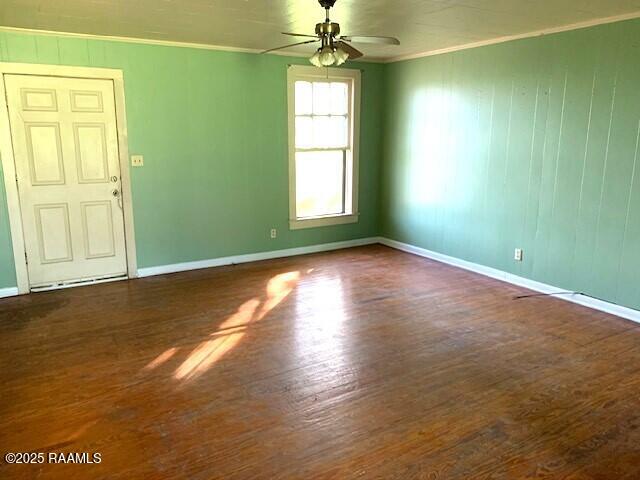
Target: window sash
348	82
344	186
350	149
347	132
344	147
348	116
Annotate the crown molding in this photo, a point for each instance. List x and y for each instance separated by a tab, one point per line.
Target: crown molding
164	43
519	36
144	41
399	58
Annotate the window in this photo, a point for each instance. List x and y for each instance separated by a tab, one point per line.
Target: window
323	140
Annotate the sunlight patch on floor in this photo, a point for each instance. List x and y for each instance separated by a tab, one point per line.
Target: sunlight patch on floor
233	329
160	359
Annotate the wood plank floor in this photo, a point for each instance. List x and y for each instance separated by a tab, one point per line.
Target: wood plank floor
362	363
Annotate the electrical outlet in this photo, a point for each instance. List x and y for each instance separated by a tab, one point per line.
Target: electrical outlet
137	160
518	255
274	233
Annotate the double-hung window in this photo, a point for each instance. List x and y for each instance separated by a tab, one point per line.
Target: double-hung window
323	146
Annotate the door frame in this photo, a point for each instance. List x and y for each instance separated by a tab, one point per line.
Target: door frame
9	168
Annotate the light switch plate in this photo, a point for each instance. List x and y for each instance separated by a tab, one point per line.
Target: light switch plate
137	160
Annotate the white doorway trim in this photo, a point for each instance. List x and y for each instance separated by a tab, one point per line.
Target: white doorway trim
9	169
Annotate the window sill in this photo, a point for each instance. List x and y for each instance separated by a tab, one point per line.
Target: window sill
323	221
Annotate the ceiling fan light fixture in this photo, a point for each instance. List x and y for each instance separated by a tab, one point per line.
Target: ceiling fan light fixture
327	56
334	48
341	56
315	59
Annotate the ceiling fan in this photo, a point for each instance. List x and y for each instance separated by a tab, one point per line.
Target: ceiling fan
334	49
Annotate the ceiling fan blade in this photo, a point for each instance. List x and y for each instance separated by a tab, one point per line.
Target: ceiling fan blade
352	51
371	39
299	35
292	45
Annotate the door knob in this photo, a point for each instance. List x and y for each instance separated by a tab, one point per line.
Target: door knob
116	194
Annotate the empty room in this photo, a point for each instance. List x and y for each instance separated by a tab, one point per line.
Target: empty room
320	239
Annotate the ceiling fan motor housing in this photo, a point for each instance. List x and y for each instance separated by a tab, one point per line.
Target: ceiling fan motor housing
327	29
334	49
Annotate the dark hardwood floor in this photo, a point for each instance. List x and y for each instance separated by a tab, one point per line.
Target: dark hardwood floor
364	363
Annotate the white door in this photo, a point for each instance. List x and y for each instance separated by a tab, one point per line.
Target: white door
66	152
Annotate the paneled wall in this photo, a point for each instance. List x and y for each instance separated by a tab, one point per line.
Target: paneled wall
530	144
212	127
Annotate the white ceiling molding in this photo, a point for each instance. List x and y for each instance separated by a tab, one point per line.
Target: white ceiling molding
164	43
424	27
144	41
298	54
509	38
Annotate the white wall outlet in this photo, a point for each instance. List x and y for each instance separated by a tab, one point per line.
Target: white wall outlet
137	160
274	233
518	255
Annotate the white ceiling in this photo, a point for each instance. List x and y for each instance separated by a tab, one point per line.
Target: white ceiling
421	25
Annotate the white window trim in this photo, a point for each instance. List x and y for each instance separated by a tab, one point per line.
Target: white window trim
298	72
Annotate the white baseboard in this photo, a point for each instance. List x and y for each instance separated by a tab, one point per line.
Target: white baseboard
253	257
8	292
607	307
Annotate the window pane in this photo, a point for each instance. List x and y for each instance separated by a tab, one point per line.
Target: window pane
321	98
304	132
304	98
330	132
319	183
339	98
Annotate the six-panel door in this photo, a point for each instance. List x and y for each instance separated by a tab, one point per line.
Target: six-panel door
66	152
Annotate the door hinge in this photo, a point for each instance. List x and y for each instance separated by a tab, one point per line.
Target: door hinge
26	259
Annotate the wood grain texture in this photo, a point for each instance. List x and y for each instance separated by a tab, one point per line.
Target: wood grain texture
361	363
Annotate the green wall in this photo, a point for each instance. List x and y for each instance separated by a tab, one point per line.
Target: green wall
212	126
530	144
